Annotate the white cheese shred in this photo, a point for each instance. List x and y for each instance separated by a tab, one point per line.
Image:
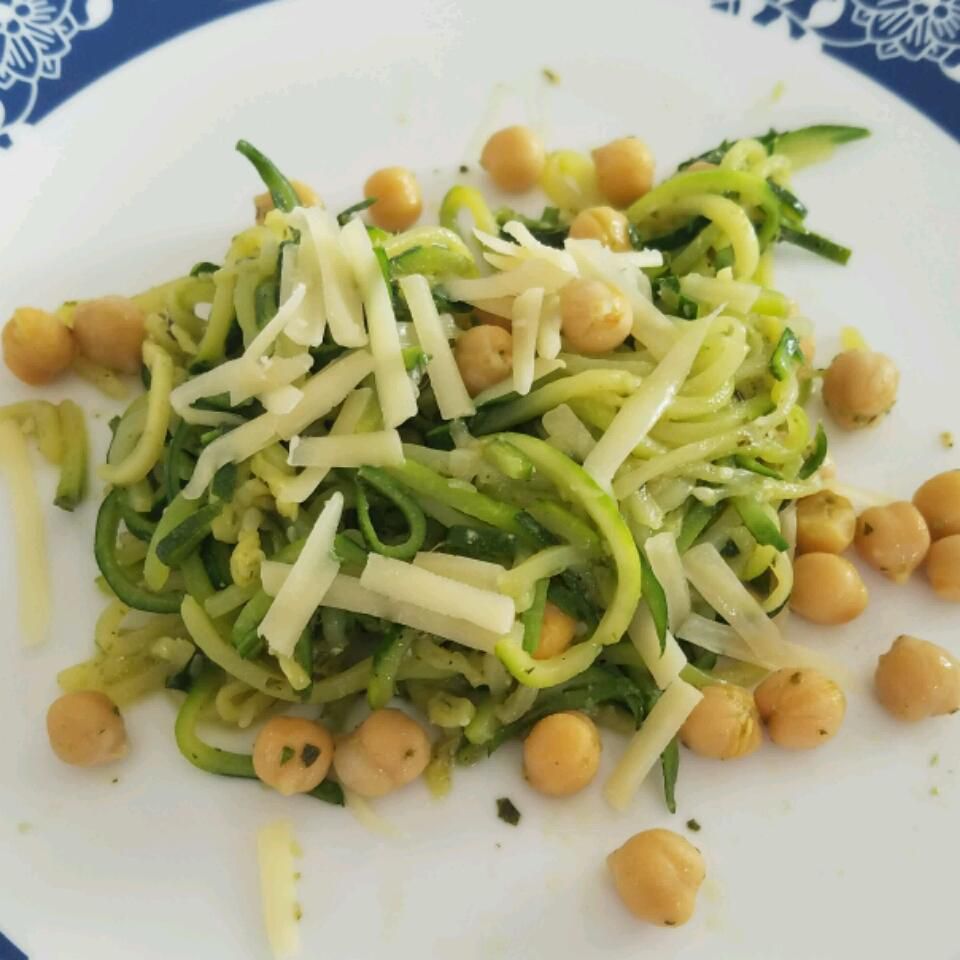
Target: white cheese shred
448	387
29	534
394	389
665	666
232	447
639	414
276	852
660	726
305	585
526	326
664	557
403	581
381	448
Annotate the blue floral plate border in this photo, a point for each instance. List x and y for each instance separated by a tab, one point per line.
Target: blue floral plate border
51	49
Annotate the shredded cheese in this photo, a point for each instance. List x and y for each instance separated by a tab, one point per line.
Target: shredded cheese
340	295
567	432
526	324
30	537
448	387
347	593
548	336
276	850
478	573
381	448
305	585
232	447
667	565
660	726
394	390
665	666
401	581
640	413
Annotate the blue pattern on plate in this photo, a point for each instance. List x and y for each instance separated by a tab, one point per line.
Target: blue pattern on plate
50	49
912	47
8	951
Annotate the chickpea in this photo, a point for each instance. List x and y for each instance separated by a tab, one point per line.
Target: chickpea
724	724
85	729
859	387
624	170
893	539
37	346
388	750
110	332
801	708
594	317
943	567
292	754
484	357
826	523
514	157
827	589
556	633
939	502
657	874
605	224
561	754
399	201
308	197
916	679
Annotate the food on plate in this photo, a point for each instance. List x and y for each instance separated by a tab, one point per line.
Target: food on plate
827	589
826	523
514	157
859	387
943	567
939	501
800	708
658	874
561	754
527	476
724	724
292	754
85	729
396	198
893	539
916	679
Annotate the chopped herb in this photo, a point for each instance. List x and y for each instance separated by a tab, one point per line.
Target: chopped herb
24	827
693	825
796	677
464	168
946	440
409	753
507	812
309	754
115	780
934	791
297	912
867	529
935	760
551	76
286	755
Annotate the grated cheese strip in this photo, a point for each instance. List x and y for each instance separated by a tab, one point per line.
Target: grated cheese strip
394	390
276	849
306	583
526	324
452	397
380	448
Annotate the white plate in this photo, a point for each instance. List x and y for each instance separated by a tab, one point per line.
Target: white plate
844	852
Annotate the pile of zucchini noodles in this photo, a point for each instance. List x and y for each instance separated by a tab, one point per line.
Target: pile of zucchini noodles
645	492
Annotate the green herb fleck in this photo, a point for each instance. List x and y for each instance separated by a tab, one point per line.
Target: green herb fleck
693	825
934	791
507	812
796	677
935	760
297	912
946	440
286	755
24	827
464	168
309	754
867	529
551	76
115	780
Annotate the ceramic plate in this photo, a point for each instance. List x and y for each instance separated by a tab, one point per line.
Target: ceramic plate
849	851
